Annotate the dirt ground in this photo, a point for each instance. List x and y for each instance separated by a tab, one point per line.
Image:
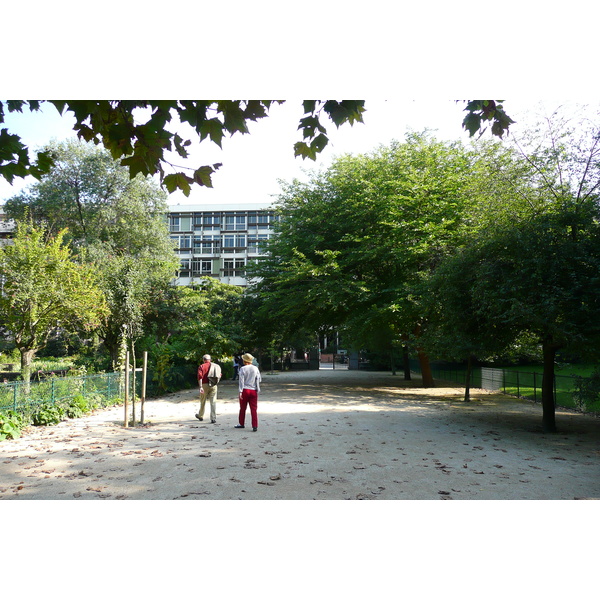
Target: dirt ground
323	435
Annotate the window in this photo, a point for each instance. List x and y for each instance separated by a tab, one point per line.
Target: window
207	244
211	221
175	224
231	241
256	243
235	223
261	220
184	268
201	268
182	242
234	267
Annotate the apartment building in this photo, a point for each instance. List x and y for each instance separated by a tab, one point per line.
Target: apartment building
219	240
7	228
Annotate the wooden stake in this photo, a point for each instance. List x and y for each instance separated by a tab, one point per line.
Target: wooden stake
145	368
126	423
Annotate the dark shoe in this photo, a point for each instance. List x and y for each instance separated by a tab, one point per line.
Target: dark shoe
199	418
213	420
240	426
254	428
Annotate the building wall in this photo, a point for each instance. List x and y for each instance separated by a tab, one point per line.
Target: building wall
218	241
7	228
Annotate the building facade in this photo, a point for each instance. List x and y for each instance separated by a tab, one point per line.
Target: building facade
7	228
218	241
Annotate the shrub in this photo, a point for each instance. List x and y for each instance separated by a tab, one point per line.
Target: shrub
47	413
11	423
227	368
107	402
95	401
587	391
76	407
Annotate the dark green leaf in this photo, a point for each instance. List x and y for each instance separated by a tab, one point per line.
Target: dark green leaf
175	181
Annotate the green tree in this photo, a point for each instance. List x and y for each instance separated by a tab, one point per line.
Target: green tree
188	322
44	289
89	193
530	268
358	238
535	278
115	222
211	323
136	131
563	156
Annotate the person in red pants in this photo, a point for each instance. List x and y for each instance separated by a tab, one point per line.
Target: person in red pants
249	377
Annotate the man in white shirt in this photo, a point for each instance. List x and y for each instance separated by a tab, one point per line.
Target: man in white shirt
249	377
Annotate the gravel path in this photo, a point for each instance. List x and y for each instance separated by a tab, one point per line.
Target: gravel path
326	435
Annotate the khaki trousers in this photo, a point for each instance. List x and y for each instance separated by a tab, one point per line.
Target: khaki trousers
210	394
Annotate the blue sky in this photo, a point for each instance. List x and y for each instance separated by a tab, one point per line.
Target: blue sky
253	164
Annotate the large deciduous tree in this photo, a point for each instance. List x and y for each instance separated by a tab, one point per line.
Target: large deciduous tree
116	222
532	264
44	289
356	240
533	277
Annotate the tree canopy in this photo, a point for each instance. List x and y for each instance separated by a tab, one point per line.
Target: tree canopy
462	251
531	267
114	222
136	132
44	289
355	241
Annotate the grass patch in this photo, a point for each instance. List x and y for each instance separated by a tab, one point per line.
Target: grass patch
526	382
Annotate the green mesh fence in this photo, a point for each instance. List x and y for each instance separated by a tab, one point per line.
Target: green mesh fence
513	383
22	396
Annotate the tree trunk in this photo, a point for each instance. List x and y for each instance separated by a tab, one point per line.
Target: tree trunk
113	344
392	362
406	361
468	379
133	382
426	374
26	360
548	409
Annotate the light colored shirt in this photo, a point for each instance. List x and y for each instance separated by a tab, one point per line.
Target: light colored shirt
249	378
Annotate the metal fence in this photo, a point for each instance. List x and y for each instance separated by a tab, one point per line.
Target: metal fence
22	396
514	383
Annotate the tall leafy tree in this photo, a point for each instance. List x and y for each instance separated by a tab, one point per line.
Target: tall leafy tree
358	237
116	222
531	266
89	193
535	278
45	289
